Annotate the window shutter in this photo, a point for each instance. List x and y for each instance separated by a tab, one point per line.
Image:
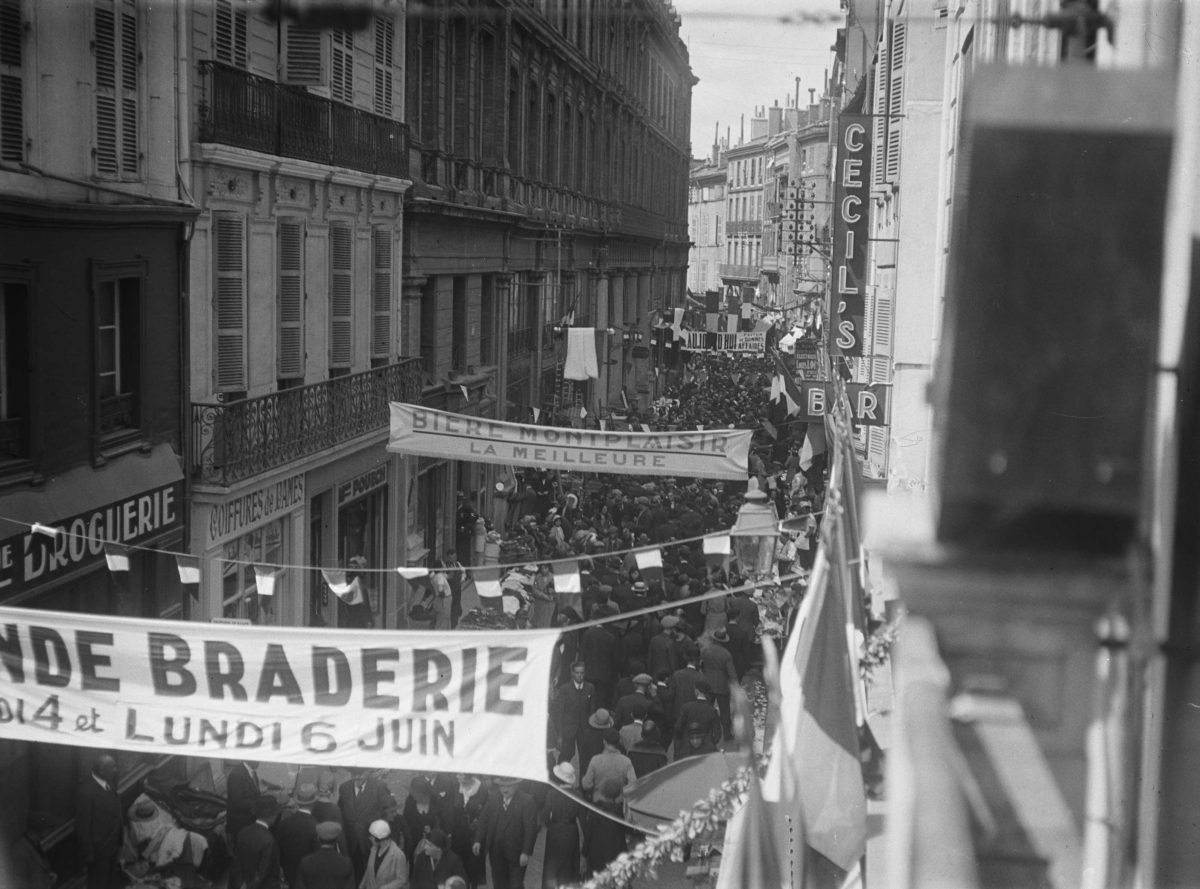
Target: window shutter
895	100
341	79
881	335
341	296
877	441
106	103
880	123
381	293
229	237
129	94
12	113
230	32
304	57
290	357
385	39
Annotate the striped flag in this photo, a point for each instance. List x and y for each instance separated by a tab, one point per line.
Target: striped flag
346	590
487	582
784	388
116	556
716	551
566	577
189	568
818	733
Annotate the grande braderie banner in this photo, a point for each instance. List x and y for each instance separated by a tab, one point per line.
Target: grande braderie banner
445	702
718	453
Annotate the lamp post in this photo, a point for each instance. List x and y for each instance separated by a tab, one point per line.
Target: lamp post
755	533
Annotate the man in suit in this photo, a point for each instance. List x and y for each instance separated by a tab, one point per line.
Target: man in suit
255	862
506	832
326	868
717	666
457	576
363	799
572	704
99	825
386	866
297	834
598	651
242	788
434	863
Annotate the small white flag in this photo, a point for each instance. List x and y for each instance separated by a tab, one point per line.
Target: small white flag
648	558
348	591
189	568
583	412
265	580
487	583
117	557
603	425
537	414
566	577
412	573
717	545
466	394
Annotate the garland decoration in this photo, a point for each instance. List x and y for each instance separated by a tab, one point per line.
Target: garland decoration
705	817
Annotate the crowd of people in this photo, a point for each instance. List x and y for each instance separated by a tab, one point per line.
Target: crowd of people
630	695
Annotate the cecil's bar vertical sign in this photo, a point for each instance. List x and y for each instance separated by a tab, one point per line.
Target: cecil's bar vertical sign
851	188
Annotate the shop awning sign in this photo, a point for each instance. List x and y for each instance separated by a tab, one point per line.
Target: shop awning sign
719	453
443	702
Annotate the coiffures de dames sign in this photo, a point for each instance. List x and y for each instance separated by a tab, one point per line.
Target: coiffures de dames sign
29	560
448	702
719	453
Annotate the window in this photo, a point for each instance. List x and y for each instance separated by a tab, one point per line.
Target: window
118	349
229	301
12	113
14	369
341	298
303	56
229	37
115	49
381	296
341	79
385	42
289	357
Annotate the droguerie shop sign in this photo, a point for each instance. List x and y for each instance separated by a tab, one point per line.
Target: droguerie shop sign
452	702
29	560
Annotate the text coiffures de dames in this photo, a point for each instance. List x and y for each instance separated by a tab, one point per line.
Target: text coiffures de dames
407	697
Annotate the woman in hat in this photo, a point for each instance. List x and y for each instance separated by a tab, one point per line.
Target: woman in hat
422	813
541	615
560	816
591	736
467	804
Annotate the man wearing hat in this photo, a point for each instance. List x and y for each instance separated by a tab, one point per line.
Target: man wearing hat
648	753
386	865
661	652
598	651
697	712
325	868
255	862
609	763
637	705
297	833
435	862
716	662
242	788
99	825
363	799
506	833
683	682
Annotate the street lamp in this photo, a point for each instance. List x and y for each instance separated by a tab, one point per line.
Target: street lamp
755	533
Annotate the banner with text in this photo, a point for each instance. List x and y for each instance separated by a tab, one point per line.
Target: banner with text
442	702
741	341
851	191
719	453
870	404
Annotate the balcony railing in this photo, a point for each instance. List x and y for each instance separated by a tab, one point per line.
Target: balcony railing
248	111
236	441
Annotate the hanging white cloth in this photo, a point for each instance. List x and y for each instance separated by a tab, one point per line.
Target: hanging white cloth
581	354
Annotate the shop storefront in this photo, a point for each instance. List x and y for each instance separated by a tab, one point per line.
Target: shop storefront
136	501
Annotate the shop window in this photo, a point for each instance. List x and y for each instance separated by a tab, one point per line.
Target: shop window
240	598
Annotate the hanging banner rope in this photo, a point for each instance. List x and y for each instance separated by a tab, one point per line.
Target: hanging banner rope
719	453
440	702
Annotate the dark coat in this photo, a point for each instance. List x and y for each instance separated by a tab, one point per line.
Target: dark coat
598	651
465	818
603	838
324	869
718	667
359	810
99	825
683	689
702	712
740	646
560	815
636	706
416	823
297	837
571	707
661	655
241	792
426	876
646	757
255	862
508	834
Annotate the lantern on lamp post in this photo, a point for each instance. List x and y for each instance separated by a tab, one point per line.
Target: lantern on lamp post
755	533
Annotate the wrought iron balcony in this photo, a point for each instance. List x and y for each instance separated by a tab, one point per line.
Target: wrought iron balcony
248	111
242	439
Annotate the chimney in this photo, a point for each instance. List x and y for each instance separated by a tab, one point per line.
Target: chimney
742	130
775	121
797	102
716	147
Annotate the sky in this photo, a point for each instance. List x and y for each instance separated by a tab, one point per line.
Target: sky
745	56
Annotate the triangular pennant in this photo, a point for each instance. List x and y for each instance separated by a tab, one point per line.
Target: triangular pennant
487	582
117	556
466	395
348	591
566	577
412	573
603	425
583	412
537	414
189	568
265	579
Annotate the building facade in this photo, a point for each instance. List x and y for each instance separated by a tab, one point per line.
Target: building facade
93	233
706	213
